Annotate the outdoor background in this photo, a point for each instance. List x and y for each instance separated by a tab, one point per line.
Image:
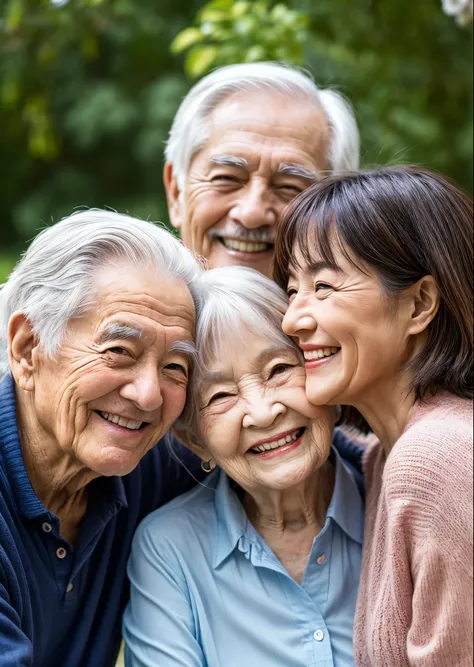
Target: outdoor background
88	89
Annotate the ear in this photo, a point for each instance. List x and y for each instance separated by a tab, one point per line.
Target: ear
173	196
21	345
425	304
191	443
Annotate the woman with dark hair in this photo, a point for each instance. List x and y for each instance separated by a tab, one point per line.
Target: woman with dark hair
378	268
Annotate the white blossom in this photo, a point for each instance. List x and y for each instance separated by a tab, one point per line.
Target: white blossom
462	10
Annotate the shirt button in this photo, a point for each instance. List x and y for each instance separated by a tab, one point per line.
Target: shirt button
61	552
69	588
319	635
320	559
47	527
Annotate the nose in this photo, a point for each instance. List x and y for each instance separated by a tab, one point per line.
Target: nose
297	319
145	390
262	411
254	207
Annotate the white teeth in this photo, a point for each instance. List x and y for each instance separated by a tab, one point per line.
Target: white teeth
267	446
243	246
121	421
320	353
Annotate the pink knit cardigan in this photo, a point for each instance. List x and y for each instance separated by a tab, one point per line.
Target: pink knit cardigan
415	604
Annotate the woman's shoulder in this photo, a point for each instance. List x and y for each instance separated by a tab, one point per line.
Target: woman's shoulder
434	454
176	522
444	424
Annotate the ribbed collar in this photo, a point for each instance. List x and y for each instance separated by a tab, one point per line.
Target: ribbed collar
28	503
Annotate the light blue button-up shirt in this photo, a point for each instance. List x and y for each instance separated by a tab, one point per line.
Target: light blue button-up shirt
207	591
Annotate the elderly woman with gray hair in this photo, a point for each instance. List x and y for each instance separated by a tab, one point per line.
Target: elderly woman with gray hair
259	566
96	343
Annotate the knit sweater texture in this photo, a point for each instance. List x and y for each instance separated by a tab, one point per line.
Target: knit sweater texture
415	604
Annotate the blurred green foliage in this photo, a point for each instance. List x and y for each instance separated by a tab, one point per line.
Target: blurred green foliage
227	32
88	89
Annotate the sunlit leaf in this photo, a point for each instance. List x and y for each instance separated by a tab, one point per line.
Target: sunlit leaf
200	59
14	14
186	38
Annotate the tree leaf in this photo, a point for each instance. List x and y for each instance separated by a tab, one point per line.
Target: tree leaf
200	60
186	38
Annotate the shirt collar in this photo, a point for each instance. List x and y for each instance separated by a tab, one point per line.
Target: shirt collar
231	524
112	491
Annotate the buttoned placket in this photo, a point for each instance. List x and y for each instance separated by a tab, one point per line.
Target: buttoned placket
310	601
62	558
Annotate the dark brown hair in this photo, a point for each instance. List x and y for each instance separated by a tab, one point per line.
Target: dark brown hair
404	223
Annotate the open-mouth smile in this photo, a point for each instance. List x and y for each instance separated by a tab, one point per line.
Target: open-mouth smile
240	246
278	444
319	356
129	424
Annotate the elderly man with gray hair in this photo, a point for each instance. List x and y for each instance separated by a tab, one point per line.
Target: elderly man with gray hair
245	141
96	346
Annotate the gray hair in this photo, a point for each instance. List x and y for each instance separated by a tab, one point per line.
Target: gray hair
53	281
227	299
190	129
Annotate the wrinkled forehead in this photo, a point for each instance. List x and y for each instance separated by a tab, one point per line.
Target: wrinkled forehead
141	298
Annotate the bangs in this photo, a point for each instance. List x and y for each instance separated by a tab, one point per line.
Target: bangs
311	226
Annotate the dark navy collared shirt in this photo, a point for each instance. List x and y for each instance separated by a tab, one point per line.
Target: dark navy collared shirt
59	606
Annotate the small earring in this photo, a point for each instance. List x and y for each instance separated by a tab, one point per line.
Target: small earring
206	466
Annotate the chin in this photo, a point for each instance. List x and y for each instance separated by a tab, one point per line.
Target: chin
321	395
114	466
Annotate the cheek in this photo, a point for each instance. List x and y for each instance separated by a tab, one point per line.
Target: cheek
174	399
221	433
206	209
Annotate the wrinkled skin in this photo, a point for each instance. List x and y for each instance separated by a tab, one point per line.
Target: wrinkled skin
139	378
261	394
221	201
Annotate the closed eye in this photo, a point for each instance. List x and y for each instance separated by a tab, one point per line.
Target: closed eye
121	351
224	178
219	395
291	189
321	286
177	367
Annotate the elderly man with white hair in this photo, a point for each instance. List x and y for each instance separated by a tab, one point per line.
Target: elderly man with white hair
245	141
96	345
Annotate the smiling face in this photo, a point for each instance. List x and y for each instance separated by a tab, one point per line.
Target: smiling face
117	384
255	419
263	150
355	341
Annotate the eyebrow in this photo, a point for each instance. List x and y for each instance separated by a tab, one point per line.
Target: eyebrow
119	331
188	349
298	170
230	161
315	267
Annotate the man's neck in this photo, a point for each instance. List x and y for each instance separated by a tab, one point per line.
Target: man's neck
58	479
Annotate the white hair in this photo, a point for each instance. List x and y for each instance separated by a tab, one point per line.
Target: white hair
190	129
230	300
53	281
